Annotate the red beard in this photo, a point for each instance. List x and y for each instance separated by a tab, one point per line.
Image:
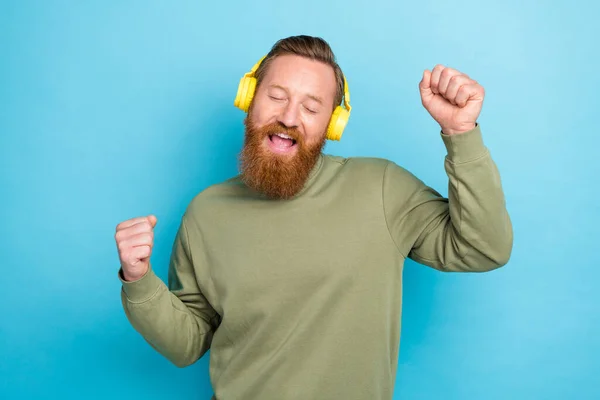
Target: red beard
276	176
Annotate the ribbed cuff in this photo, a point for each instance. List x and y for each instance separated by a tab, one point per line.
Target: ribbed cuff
142	289
464	147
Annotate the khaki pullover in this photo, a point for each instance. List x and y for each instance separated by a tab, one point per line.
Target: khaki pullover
301	298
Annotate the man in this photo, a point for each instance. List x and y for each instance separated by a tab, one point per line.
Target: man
291	273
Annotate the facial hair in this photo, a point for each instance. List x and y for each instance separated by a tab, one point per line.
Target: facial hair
276	176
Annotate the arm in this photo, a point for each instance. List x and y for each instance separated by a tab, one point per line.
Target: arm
177	321
468	231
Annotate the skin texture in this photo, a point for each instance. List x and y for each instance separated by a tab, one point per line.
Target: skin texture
452	98
135	238
297	93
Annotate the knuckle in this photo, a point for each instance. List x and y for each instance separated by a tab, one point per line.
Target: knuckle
122	246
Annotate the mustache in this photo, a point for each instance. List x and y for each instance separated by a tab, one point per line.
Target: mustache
274	128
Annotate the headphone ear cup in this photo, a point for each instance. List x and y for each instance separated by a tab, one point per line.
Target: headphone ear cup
245	93
337	123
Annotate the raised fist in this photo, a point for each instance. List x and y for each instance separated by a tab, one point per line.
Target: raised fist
135	238
452	98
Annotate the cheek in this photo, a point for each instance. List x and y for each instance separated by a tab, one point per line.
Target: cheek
317	130
262	113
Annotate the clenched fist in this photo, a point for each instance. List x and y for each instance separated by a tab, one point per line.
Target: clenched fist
452	98
135	238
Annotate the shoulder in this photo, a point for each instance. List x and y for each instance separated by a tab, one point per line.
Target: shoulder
357	164
217	195
369	167
375	171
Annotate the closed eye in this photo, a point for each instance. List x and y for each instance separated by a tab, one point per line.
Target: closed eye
310	110
276	98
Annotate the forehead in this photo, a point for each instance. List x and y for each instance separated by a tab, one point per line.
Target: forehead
300	74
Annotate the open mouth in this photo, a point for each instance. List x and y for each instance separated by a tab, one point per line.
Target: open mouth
282	142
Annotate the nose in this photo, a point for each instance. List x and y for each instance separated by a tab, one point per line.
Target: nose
289	115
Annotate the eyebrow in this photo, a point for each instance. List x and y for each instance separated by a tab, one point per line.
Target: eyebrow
311	96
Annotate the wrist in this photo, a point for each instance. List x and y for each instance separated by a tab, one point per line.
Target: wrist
456	130
464	147
129	277
143	289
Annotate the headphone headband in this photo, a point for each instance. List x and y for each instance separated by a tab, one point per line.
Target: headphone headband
346	95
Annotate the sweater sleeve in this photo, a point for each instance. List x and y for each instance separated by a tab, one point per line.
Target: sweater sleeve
177	320
468	231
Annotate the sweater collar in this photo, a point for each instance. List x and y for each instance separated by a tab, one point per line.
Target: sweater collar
312	175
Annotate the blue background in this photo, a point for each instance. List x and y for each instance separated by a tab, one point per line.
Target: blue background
110	110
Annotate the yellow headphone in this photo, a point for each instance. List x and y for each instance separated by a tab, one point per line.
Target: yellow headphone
338	120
